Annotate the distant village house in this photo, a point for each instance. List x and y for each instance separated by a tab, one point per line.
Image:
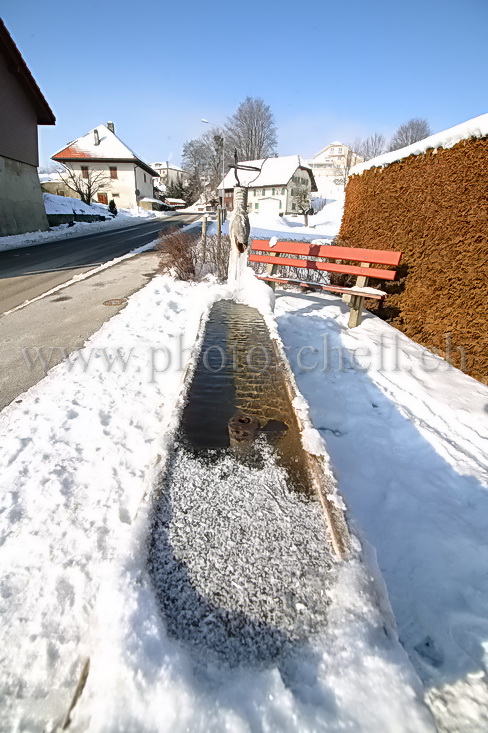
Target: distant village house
275	187
22	109
331	165
170	174
127	180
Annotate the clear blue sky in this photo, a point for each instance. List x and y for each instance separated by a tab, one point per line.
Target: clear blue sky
328	71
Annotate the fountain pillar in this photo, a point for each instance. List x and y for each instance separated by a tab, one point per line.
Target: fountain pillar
239	230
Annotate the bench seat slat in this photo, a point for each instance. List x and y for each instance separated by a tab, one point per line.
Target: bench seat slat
379	295
324	266
352	254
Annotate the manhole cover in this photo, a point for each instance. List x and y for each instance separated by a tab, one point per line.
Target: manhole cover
115	301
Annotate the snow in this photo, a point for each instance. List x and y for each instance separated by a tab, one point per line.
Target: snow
68	205
476	127
325	223
82	452
407	435
271	172
47	177
110	147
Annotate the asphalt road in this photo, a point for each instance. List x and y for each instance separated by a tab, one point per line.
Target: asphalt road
29	272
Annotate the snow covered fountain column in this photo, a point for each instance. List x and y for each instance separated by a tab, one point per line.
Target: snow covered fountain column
239	229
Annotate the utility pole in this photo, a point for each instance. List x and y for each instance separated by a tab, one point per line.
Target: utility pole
219	232
204	237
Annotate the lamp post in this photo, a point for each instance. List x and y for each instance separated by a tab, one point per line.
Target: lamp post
207	122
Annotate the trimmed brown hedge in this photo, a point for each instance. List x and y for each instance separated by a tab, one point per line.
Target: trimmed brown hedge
434	208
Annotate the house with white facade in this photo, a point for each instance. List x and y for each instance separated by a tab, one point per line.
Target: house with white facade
170	173
275	187
127	178
331	165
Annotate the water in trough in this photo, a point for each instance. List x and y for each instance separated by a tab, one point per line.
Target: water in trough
240	557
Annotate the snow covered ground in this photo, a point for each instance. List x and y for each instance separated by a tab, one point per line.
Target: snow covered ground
323	225
408	437
66	205
81	453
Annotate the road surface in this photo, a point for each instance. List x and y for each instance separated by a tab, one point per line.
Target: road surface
28	272
60	323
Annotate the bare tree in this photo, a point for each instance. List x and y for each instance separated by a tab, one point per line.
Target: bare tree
301	199
251	130
85	183
371	146
202	158
410	132
51	168
214	143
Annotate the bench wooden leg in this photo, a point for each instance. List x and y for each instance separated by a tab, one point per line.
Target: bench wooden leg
271	270
356	302
356	306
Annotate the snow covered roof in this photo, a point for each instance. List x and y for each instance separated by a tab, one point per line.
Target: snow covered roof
336	142
175	201
166	165
100	144
46	177
476	127
273	172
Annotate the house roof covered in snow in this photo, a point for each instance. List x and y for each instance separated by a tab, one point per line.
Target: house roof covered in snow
101	144
476	127
167	165
336	142
47	177
272	172
21	71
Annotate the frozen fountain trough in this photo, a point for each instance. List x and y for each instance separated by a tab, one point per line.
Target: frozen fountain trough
246	536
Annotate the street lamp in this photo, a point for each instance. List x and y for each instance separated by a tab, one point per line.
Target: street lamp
207	122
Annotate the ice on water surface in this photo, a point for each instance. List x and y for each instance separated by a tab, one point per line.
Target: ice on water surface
240	562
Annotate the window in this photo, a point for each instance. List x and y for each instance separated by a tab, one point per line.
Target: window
281	203
283	190
272	192
293	207
84	171
115	194
256	206
263	192
113	171
144	178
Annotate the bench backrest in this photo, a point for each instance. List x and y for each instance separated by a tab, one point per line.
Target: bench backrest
328	252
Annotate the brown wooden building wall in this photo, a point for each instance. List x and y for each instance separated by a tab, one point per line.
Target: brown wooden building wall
18	120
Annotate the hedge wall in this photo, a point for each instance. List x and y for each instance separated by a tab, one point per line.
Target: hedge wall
434	208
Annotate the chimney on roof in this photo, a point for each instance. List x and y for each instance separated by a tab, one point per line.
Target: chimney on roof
97	137
111	127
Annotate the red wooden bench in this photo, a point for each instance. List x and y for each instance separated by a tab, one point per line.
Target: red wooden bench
369	259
